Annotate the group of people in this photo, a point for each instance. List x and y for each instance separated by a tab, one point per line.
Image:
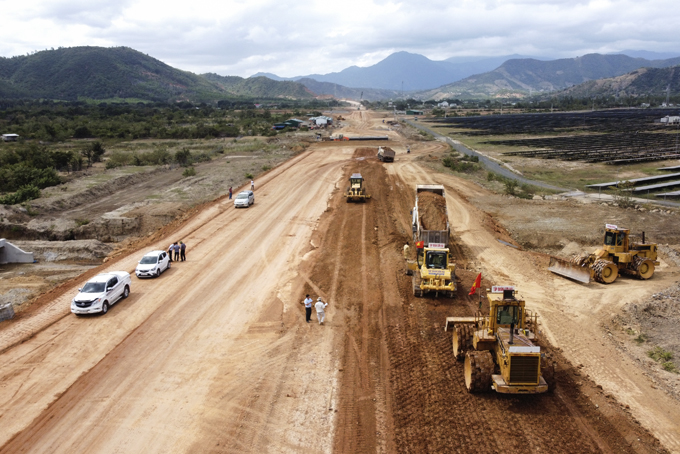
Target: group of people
320	307
180	251
252	188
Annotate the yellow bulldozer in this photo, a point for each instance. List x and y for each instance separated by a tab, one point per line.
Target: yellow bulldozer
617	255
356	192
432	270
500	351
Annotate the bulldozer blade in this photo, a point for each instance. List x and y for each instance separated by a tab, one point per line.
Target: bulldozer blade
568	270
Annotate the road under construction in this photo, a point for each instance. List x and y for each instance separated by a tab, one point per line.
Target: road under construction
215	355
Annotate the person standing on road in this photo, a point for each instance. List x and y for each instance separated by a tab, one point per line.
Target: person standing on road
171	248
252	185
176	249
182	250
308	308
229	192
320	307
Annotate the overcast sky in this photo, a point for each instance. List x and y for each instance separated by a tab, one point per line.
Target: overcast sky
293	38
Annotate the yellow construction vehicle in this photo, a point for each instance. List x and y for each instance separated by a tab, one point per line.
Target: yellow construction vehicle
356	192
500	350
618	255
432	270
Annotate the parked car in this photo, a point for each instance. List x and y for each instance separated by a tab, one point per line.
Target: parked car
244	199
101	292
153	264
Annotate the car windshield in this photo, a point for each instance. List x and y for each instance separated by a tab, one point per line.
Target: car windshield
242	196
94	287
148	260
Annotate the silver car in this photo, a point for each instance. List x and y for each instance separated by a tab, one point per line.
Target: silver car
101	292
244	199
153	264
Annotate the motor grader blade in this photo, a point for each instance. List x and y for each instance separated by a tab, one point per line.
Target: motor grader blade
566	269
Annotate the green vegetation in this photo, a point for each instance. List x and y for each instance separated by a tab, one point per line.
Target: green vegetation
189	172
463	164
664	358
24	194
249	175
641	338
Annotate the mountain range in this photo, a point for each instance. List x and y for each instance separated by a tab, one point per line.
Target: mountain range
404	71
520	77
105	73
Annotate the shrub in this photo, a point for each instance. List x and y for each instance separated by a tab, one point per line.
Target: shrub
189	172
658	354
119	159
24	194
183	157
249	176
510	186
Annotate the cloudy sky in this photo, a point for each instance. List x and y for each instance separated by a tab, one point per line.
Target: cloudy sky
242	37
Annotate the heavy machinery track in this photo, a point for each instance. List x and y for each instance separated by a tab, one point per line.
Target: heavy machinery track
407	374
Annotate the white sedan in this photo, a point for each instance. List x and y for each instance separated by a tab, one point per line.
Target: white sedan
153	264
101	292
244	199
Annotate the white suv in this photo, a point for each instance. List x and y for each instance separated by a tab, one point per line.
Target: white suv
153	264
244	199
101	292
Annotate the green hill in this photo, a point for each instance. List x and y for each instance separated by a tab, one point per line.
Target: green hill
120	72
259	87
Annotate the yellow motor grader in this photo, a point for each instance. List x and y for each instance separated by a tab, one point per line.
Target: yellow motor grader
617	255
356	192
432	270
500	350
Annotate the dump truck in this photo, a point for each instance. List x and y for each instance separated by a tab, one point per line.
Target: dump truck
432	271
500	351
429	217
386	154
618	255
356	191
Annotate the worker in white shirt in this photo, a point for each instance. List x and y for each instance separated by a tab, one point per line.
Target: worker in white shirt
320	307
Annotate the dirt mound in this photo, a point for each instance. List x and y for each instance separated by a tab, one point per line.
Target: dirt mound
432	211
571	249
91	251
365	152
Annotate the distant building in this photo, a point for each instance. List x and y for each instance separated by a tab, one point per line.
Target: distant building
443	104
10	137
414	112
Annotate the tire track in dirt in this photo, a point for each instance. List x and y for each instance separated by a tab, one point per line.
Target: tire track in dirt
429	408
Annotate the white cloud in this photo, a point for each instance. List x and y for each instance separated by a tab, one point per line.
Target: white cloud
296	38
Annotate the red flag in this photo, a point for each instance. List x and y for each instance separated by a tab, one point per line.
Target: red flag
476	285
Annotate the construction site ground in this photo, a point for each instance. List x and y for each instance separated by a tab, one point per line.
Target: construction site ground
215	355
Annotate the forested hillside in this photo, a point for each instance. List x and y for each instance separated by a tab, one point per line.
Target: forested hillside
107	73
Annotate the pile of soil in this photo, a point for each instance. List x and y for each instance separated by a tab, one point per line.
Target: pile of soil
432	211
365	152
76	251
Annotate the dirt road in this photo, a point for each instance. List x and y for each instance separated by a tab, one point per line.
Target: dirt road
215	356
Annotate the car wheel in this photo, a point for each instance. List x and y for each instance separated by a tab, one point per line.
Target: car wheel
105	307
158	272
126	292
